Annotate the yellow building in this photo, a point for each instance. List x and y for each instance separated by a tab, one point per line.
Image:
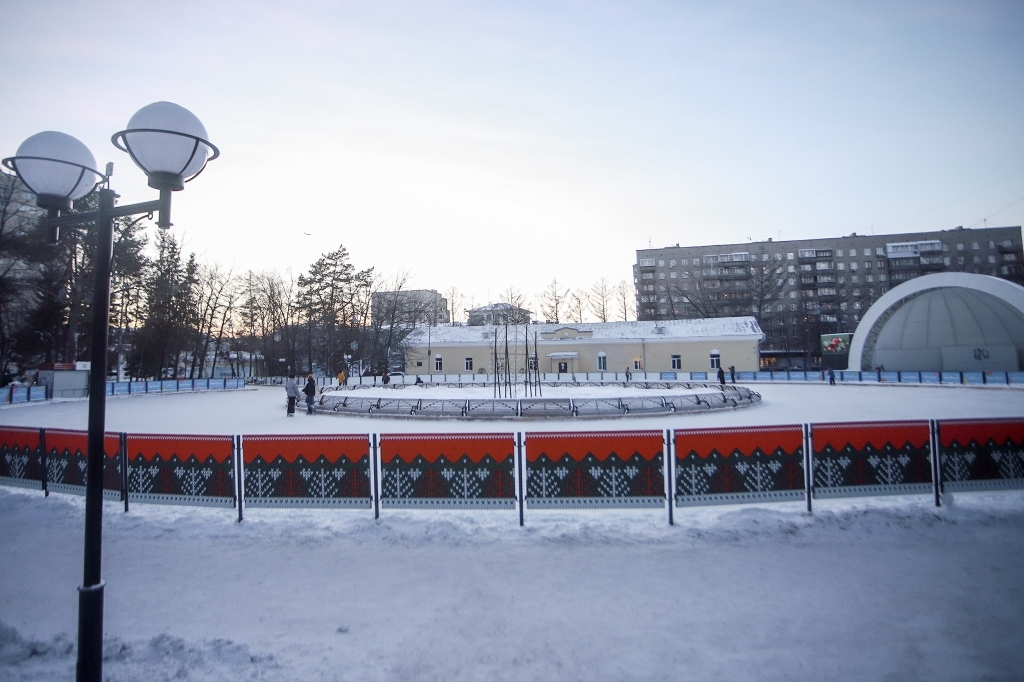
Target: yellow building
647	346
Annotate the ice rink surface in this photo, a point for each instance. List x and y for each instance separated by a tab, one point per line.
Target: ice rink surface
256	411
864	589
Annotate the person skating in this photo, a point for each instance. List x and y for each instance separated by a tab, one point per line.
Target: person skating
721	376
310	391
291	388
831	377
732	373
385	378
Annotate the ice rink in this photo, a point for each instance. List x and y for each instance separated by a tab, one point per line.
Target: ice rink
888	588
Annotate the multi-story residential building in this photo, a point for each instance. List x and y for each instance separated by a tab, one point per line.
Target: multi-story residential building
801	289
498	313
409	308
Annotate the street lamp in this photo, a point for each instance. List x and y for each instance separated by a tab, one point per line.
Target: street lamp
169	144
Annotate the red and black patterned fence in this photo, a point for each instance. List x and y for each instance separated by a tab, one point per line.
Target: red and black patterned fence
980	454
21	457
65	462
722	466
595	470
872	458
542	470
448	471
327	471
182	469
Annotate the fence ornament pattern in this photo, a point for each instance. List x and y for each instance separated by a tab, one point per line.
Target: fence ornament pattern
289	471
66	457
448	471
595	470
181	469
21	458
871	458
722	466
982	454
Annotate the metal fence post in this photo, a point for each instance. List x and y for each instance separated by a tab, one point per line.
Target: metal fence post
669	461
808	466
122	441
239	477
520	473
936	447
45	475
376	481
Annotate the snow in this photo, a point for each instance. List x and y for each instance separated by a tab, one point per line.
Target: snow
871	588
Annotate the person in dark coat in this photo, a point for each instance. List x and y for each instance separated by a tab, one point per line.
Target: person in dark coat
721	376
310	391
291	387
831	377
732	373
385	378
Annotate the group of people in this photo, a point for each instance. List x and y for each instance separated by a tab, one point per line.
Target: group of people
291	388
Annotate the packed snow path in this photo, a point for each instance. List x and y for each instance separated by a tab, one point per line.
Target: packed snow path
884	588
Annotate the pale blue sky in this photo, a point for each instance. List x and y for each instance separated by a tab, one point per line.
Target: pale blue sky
484	145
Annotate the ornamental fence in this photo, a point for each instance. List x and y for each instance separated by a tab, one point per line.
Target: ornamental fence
532	470
644	379
31	394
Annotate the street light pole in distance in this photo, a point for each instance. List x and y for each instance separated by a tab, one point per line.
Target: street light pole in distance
169	144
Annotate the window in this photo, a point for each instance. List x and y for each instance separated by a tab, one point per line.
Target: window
661	275
792	281
672	263
853	267
437	363
764	257
839	253
684	261
792	294
790	256
806	267
947	260
879	251
672	275
778	256
867	252
842	280
869	278
661	264
1010	257
648	275
806	253
638	362
867	265
716	359
854	279
975	245
602	362
419	363
841	266
977	259
647	262
991	245
991	259
469	364
881	278
959	260
791	268
945	246
677	362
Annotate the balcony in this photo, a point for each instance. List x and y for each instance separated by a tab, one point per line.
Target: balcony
734	274
1012	248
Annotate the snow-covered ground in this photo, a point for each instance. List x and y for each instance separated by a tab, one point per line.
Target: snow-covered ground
262	410
864	589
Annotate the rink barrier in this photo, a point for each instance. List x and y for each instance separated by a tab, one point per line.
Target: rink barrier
317	471
516	470
981	454
464	471
872	458
174	469
65	457
732	465
595	470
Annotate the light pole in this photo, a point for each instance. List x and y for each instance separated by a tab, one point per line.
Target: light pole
169	144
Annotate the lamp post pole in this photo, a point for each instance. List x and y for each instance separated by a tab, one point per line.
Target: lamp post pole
169	144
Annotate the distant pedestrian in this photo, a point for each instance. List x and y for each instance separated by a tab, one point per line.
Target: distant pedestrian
310	391
291	388
385	378
721	376
341	378
831	377
732	373
628	375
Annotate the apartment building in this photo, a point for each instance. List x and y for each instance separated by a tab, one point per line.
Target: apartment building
409	307
801	289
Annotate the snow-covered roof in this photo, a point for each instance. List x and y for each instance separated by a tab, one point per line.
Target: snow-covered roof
679	330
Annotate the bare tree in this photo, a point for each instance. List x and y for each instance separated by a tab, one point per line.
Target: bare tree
577	304
766	284
517	301
624	300
456	303
553	301
600	299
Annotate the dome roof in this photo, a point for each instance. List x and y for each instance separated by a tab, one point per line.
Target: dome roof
946	322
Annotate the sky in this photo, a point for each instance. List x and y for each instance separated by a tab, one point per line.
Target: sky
483	145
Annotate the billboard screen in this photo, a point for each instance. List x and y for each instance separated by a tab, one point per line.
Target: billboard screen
836	343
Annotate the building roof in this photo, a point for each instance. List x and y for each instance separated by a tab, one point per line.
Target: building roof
680	330
496	307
